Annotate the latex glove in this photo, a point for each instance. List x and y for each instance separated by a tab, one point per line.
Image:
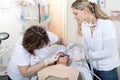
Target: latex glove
51	60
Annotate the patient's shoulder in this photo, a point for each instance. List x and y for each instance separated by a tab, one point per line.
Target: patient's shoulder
59	71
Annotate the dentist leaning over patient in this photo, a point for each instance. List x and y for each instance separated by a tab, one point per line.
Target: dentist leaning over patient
99	38
30	53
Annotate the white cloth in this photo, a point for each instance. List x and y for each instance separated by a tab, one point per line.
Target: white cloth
101	45
76	53
21	57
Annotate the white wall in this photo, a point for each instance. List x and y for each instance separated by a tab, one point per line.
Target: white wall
71	25
9	23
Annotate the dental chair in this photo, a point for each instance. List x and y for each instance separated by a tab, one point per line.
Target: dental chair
79	64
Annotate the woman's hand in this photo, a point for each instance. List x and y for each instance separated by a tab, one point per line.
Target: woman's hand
51	60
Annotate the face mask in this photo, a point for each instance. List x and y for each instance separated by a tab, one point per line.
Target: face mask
88	24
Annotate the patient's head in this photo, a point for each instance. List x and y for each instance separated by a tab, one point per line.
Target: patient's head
63	59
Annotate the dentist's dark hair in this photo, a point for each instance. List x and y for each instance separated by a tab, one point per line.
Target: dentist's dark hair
35	37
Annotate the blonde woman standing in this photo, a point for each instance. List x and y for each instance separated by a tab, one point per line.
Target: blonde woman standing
99	38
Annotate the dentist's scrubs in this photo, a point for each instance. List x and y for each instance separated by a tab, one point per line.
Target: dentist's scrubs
21	57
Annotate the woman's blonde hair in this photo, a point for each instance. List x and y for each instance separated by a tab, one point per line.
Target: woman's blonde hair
79	30
93	7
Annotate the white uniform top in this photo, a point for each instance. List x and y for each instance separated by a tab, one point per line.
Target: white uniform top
22	58
101	45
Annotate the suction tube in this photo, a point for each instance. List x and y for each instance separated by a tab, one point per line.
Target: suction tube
91	66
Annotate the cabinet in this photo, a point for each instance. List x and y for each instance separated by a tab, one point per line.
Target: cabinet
56	14
33	12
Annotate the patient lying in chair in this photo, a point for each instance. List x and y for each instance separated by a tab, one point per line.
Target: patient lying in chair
77	59
60	71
